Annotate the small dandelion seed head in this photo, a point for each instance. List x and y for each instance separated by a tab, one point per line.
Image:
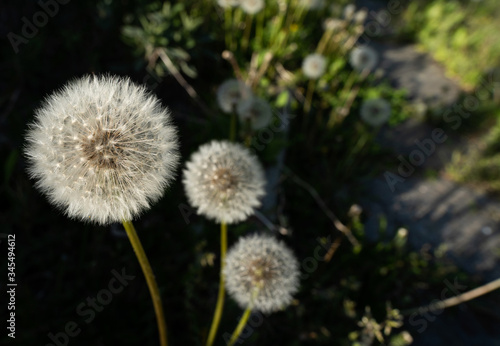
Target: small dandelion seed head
262	271
256	111
224	181
230	93
228	3
102	149
314	66
251	6
363	58
375	112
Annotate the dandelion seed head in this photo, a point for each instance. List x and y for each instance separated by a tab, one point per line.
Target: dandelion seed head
251	6
375	112
256	111
314	65
224	181
230	93
102	149
363	58
261	270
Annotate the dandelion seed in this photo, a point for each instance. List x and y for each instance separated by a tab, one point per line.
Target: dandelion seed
314	66
230	93
262	271
375	112
363	58
256	111
251	6
102	149
224	181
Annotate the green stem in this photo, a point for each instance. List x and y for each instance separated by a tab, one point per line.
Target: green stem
227	28
309	94
240	326
150	279
220	298
246	34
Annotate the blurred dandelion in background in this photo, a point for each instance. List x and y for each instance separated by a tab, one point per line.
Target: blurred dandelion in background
314	66
251	6
363	58
230	93
375	112
255	111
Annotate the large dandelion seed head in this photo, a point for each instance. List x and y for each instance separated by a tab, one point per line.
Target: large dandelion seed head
314	65
230	93
375	112
251	6
363	58
102	149
224	181
256	111
262	271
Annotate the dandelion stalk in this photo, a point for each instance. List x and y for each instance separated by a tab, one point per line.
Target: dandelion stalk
150	279
246	34
240	326
309	94
228	28
232	128
220	297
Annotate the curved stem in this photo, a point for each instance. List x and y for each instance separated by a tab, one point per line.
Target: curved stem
150	279
240	326
220	297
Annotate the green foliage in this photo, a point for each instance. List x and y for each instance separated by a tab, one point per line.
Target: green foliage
458	34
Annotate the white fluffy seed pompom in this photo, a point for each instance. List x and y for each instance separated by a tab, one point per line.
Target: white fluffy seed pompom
230	93
314	65
375	112
262	271
102	149
251	6
224	181
256	111
363	58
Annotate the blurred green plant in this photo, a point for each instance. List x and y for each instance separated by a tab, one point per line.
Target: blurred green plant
458	34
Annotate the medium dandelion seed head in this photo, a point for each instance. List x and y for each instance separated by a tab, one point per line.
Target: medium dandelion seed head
256	111
230	93
102	149
314	65
375	112
261	270
228	3
224	181
363	58
251	6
